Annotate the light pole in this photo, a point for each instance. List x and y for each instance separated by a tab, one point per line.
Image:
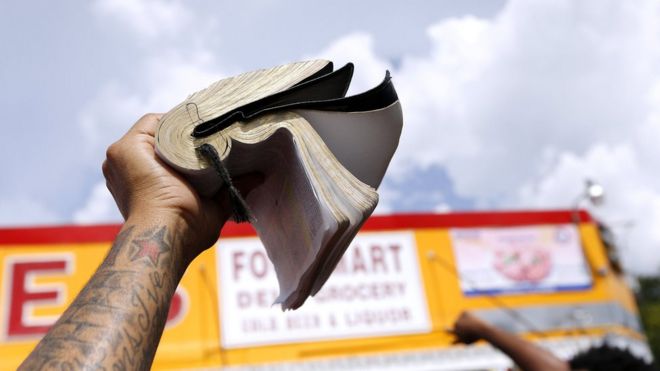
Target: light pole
593	192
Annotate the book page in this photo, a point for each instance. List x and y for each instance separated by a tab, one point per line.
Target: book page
291	220
363	142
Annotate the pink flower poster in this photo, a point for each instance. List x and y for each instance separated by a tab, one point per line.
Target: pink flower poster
520	259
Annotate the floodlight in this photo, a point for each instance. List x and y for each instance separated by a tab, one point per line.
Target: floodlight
594	192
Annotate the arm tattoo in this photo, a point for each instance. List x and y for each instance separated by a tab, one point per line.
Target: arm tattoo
116	321
150	246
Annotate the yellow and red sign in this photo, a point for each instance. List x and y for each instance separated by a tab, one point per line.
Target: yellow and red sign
401	284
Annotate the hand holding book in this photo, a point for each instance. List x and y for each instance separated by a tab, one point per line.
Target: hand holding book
322	156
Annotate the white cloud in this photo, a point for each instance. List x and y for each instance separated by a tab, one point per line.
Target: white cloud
499	94
166	79
148	19
442	207
519	109
525	106
359	49
107	117
21	210
632	200
99	208
385	197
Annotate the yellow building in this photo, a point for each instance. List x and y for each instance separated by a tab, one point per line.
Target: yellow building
388	305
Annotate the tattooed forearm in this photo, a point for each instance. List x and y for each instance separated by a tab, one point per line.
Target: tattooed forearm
116	321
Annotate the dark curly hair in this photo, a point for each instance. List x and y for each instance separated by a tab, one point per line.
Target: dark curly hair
608	358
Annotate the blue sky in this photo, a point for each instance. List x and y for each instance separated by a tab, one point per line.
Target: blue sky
507	104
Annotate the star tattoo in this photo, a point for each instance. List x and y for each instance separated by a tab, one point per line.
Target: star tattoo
151	246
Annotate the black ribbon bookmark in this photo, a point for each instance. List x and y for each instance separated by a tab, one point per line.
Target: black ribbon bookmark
240	210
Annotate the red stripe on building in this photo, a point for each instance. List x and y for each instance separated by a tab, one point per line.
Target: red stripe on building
106	233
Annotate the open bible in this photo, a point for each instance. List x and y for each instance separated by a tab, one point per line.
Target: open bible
322	155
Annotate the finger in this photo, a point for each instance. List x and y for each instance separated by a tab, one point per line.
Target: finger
147	124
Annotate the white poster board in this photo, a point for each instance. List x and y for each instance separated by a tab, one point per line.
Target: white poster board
376	290
520	259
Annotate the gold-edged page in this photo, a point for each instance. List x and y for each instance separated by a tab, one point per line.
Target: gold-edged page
174	141
363	142
354	200
293	222
333	186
